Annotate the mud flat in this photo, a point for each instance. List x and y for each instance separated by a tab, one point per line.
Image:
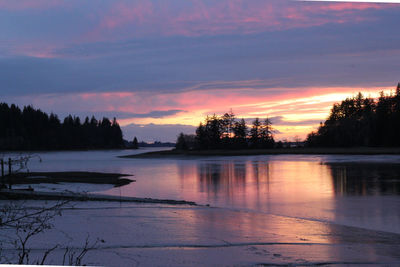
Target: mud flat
137	234
70	177
25	194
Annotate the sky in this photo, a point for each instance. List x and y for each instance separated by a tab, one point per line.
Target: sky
161	66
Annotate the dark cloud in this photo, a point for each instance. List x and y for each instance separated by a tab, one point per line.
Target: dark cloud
279	121
128	115
155	132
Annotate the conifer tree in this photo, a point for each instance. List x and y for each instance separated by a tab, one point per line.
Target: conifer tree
135	144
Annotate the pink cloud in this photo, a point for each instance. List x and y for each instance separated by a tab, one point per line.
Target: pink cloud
123	13
196	17
213	100
131	19
350	6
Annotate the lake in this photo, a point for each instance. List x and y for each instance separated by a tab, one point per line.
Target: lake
360	191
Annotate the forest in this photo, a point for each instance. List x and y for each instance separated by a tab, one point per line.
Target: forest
32	129
361	121
228	133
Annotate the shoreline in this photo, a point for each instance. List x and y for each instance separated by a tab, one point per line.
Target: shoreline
277	151
78	149
115	179
7	194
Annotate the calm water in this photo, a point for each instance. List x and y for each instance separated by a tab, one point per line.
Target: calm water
362	191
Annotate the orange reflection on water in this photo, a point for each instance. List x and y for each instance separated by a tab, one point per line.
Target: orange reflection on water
260	185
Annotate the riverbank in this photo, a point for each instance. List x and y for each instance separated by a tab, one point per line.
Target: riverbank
275	151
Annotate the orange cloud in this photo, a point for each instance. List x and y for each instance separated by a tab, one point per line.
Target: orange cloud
299	111
350	6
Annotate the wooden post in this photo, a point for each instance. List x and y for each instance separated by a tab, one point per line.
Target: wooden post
9	173
3	182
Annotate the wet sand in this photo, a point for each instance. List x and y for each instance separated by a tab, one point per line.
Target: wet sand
164	235
23	194
69	177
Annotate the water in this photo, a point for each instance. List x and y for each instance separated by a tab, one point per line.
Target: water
360	191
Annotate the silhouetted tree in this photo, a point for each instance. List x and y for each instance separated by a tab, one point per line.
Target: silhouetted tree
227	133
201	137
255	133
135	144
186	141
266	135
240	134
214	132
227	123
361	121
32	129
181	142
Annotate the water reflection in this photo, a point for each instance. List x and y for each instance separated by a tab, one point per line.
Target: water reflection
257	184
365	179
216	178
294	186
291	179
348	193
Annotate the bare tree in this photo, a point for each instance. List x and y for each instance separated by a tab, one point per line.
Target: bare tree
19	224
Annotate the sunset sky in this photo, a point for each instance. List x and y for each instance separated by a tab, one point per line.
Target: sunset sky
160	66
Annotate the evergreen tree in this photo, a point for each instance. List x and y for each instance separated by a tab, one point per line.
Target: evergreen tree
213	131
181	142
255	133
201	137
32	129
266	135
227	133
361	121
227	123
135	143
240	134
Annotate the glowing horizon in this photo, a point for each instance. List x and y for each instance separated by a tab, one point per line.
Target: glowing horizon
290	125
293	114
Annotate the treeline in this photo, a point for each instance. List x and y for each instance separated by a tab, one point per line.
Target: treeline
32	129
156	144
228	133
361	121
